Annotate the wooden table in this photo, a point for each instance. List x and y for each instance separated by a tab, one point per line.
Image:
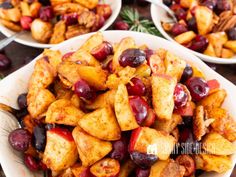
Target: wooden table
21	55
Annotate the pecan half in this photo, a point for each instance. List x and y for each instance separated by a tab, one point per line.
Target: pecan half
226	21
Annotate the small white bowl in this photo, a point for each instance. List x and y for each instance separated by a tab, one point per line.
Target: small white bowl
26	38
159	15
17	83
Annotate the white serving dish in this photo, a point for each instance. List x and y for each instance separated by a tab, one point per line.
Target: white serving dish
158	15
17	82
26	38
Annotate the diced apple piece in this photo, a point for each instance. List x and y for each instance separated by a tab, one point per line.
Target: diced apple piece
101	124
84	57
204	18
124	44
217	40
80	171
174	65
165	168
216	144
185	37
123	111
209	162
210	50
90	149
103	100
163	87
227	53
92	42
105	168
145	140
63	111
60	151
230	45
186	110
40	105
215	99
126	168
94	76
168	125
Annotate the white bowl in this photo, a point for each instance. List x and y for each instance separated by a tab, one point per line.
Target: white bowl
26	38
159	15
17	82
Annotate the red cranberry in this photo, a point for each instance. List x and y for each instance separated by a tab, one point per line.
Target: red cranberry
142	172
42	166
192	24
82	89
31	162
120	149
22	101
102	51
5	62
180	13
149	53
139	107
180	96
19	139
199	44
99	23
167	2
121	25
211	4
46	13
198	88
231	33
187	73
178	29
132	58
136	87
143	160
70	19
25	22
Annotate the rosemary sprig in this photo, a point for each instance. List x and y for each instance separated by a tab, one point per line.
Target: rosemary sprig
132	17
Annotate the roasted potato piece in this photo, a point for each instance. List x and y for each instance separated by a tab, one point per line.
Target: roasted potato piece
66	173
174	65
25	8
163	87
208	162
65	8
75	30
223	123
199	123
11	25
126	168
90	148
87	19
58	34
63	112
41	102
166	168
214	100
57	2
167	26
157	64
185	38
54	57
61	92
92	42
210	50
227	53
90	4
122	77
124	44
197	72
168	125
12	14
102	100
41	31
124	114
34	9
188	3
84	57
215	144
78	170
204	18
96	124
29	123
230	45
143	71
60	151
94	76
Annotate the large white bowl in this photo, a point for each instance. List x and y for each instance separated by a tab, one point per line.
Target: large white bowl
26	38
17	82
159	15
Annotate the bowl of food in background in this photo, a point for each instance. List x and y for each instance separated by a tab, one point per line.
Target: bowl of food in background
206	28
50	22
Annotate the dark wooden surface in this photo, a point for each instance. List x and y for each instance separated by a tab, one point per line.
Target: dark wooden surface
21	55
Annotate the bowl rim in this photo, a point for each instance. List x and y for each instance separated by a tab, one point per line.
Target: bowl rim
7	32
206	58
